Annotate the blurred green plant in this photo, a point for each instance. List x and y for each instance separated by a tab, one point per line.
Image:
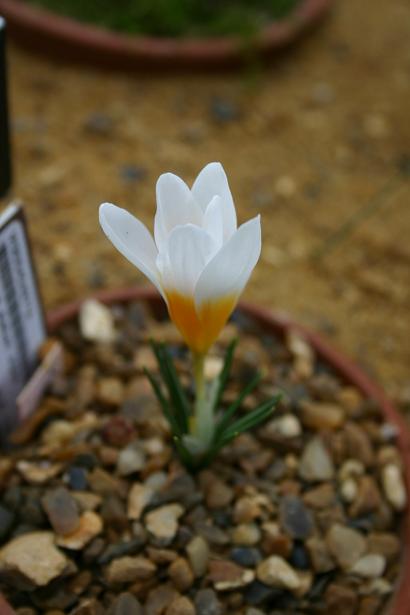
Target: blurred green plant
174	18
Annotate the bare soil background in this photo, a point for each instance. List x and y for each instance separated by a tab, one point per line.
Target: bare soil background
318	136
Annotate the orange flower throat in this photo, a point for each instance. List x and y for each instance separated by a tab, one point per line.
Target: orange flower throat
199	330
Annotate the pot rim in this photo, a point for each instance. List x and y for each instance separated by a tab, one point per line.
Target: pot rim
68	38
280	323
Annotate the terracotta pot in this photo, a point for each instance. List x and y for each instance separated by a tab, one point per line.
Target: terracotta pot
64	38
280	324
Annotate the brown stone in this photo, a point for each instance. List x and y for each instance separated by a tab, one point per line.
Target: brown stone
345	544
384	543
38	473
326	517
246	534
351	400
181	605
321	496
358	444
163	522
321	415
276	572
275	542
129	569
161	556
247	508
198	553
368	498
370	605
340	600
90	525
181	574
103	483
138	498
159	599
218	494
319	554
125	604
110	391
34	556
62	510
225	575
87	500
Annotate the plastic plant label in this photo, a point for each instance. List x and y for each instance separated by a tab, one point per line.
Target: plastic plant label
22	324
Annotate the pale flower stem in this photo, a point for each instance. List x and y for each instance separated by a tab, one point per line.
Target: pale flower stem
203	420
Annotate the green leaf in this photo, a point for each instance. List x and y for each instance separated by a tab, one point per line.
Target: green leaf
176	393
250	420
224	375
164	403
184	455
228	414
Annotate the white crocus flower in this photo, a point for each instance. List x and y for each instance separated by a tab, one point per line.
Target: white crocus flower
198	260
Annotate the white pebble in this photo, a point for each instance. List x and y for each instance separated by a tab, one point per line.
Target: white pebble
96	322
287	426
393	486
370	566
348	490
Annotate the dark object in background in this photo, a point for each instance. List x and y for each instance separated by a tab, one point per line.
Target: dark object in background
5	157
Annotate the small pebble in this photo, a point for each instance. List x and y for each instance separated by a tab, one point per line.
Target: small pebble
393	486
62	510
125	604
138	498
181	574
129	569
246	556
131	459
96	322
287	426
198	554
246	534
90	525
181	605
35	556
110	391
321	415
295	518
226	575
316	463
207	603
163	522
276	572
369	566
346	545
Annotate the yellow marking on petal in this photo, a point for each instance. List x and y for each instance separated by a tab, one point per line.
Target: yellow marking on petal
199	330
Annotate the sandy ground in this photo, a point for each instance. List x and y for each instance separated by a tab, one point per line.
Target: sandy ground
320	135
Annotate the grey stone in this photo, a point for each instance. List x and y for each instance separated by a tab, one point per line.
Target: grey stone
207	603
62	510
316	463
295	518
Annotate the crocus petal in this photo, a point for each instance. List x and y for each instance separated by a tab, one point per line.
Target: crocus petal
213	221
132	239
189	250
229	270
175	206
212	180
